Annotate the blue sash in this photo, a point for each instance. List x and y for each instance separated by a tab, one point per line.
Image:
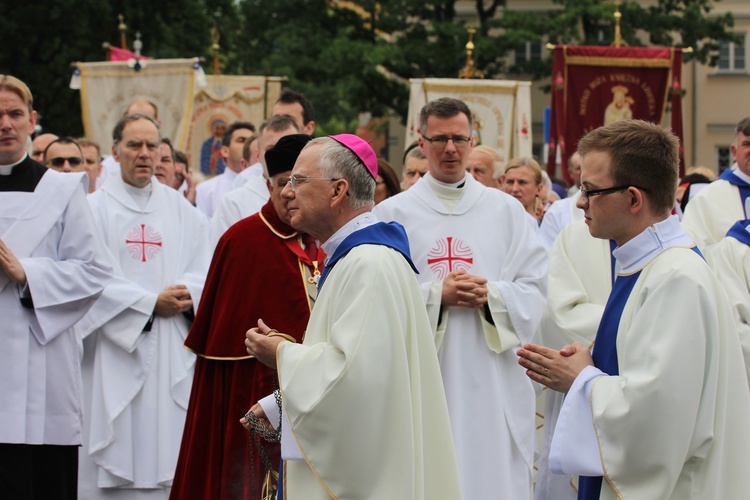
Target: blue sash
605	358
390	234
729	176
740	232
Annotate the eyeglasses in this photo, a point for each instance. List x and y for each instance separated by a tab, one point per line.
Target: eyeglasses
58	162
296	181
588	193
441	141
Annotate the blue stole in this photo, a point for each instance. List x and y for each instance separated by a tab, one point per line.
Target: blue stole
389	234
605	356
740	232
729	176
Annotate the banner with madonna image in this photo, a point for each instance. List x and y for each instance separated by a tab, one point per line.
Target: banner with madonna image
596	86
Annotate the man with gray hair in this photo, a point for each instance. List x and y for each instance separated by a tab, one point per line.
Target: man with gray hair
364	409
486	165
482	274
137	374
719	205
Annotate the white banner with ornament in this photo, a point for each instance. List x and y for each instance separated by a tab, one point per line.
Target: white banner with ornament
107	88
501	110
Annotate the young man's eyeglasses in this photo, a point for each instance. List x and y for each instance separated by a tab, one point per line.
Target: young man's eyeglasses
58	162
588	193
441	141
297	180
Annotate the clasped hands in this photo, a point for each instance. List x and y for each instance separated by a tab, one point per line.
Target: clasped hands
552	368
174	300
463	289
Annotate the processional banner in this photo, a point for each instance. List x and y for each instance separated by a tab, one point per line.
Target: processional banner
596	86
226	99
107	88
501	110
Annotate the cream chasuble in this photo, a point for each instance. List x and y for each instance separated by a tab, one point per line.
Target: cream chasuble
362	395
730	260
711	213
673	424
490	399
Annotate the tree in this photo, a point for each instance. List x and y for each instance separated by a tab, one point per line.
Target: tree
347	56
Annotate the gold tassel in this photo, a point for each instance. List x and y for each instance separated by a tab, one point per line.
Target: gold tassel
268	491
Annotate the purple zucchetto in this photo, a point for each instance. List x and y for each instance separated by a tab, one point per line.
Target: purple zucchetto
361	149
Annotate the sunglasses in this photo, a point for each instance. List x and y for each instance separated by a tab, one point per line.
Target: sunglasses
58	162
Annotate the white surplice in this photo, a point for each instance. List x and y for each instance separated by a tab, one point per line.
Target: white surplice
491	401
580	280
140	381
209	193
673	424
730	260
711	213
237	204
51	231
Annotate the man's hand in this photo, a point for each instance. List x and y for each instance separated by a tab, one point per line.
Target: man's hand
190	188
463	289
258	411
173	301
11	265
555	369
260	345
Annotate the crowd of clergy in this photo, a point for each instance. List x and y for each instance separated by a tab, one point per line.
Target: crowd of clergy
167	336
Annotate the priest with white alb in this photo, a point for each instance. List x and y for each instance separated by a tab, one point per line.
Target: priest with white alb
137	373
482	272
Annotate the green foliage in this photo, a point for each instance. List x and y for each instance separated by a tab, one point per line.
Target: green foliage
347	57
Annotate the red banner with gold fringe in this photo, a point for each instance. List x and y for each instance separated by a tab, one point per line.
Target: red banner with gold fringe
595	86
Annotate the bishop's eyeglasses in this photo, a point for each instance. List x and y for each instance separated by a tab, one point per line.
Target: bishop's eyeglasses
297	180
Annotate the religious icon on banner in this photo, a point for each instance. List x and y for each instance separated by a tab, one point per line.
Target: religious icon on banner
619	108
212	162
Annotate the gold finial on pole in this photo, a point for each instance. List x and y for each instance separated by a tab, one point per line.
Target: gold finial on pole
619	42
469	71
122	27
215	37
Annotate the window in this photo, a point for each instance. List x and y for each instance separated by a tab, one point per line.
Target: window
732	56
724	158
529	51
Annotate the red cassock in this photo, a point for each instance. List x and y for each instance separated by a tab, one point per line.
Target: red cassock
258	271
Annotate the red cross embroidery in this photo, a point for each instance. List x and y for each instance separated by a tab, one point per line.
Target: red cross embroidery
143	243
449	255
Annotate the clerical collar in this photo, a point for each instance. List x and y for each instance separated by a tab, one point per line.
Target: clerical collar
636	253
140	195
742	175
8	169
359	222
